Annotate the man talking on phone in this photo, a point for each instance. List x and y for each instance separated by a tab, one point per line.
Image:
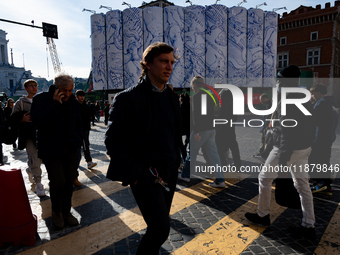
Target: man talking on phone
59	137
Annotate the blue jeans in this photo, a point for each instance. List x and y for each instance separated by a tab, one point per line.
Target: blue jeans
208	145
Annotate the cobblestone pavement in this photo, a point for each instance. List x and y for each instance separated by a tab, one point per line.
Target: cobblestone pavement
204	220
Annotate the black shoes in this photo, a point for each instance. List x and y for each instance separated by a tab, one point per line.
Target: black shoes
308	233
60	220
255	218
70	220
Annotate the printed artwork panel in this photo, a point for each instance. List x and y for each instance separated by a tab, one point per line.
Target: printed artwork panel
153	25
216	35
98	44
132	45
255	48
114	41
174	36
237	46
270	49
194	42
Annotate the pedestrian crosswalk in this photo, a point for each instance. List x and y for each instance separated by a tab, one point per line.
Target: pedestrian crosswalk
204	220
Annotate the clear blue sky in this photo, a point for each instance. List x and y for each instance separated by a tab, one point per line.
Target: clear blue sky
74	43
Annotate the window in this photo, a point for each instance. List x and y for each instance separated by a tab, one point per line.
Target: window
11	85
282	60
314	35
313	56
283	40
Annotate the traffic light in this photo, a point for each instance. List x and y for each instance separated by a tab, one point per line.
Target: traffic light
50	30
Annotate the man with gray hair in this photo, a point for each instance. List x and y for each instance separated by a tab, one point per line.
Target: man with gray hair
59	138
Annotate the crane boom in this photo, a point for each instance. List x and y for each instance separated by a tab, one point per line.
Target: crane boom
54	55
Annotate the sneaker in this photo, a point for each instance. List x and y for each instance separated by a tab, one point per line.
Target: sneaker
255	218
328	191
40	190
318	187
77	183
217	184
308	233
70	220
91	165
260	158
58	220
183	178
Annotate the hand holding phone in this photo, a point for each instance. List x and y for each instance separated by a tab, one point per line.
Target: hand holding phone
58	95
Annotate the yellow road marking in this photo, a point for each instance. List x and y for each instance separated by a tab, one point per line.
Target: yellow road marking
100	235
232	234
330	243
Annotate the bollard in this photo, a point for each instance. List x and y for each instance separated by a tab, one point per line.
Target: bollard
17	223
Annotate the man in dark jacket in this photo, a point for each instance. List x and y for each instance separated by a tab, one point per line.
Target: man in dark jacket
324	116
290	152
143	141
225	134
59	137
86	115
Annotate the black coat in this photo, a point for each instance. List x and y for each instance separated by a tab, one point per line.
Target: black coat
300	137
86	116
58	125
128	136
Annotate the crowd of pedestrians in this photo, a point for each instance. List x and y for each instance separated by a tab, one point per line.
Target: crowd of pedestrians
154	138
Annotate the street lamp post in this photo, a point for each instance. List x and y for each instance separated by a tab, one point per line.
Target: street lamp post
87	10
125	3
261	5
243	1
280	8
106	7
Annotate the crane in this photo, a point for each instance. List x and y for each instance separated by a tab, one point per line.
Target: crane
54	55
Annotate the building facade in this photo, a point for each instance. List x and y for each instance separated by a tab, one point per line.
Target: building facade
310	38
11	77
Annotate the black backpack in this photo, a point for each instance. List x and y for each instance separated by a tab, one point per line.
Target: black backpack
285	192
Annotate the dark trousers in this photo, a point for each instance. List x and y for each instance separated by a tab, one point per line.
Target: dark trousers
321	155
1	155
86	145
61	173
226	139
154	203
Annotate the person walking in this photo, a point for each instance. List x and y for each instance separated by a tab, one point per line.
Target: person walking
324	116
27	135
290	150
8	111
143	141
59	135
85	113
202	135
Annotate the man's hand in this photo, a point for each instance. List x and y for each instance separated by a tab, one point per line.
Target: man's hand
26	117
197	137
58	95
